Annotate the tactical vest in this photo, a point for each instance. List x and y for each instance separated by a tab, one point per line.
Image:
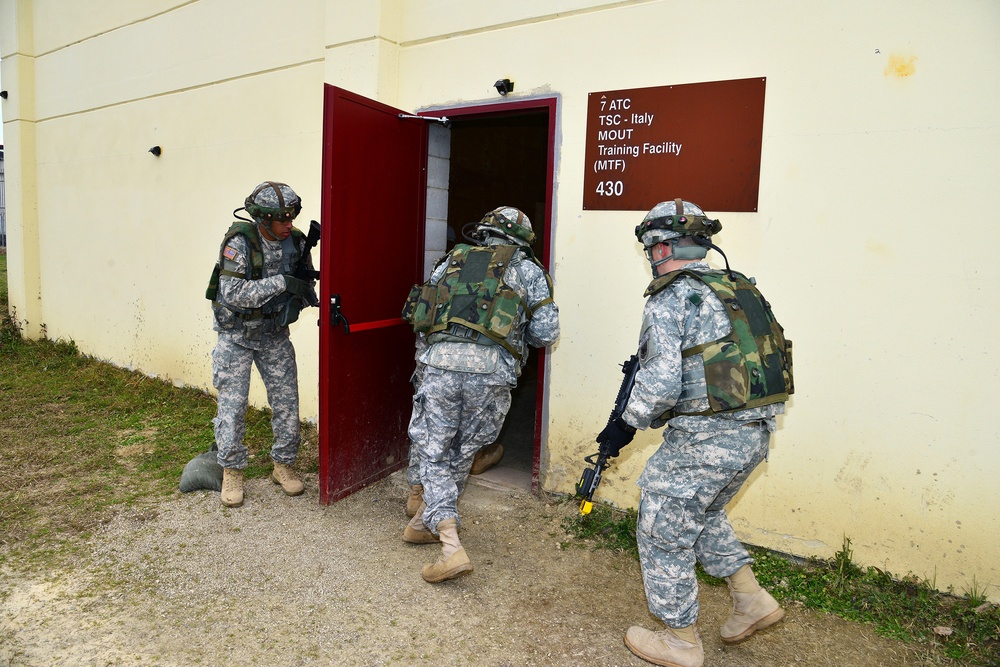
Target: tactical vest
254	271
471	297
752	365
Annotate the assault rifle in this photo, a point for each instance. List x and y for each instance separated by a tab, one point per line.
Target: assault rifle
312	238
591	477
292	307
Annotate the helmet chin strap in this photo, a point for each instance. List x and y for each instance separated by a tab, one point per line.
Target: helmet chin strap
656	263
684	253
677	252
265	231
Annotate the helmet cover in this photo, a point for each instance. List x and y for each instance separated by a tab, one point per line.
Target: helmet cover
508	222
672	219
273	201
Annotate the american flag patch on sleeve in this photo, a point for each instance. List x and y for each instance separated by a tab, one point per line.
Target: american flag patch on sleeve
229	253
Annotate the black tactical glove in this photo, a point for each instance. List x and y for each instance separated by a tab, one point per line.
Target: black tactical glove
289	312
297	286
615	435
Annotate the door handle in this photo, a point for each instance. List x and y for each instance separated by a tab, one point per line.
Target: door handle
337	317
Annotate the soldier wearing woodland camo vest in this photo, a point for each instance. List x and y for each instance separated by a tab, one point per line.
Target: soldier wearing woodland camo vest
715	368
483	305
254	299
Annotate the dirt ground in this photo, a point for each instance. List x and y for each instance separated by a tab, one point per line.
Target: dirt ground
286	581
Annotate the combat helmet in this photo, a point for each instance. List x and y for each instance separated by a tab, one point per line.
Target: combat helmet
507	223
681	225
672	219
271	201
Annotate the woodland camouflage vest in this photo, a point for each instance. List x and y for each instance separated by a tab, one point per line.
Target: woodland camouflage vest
752	365
472	293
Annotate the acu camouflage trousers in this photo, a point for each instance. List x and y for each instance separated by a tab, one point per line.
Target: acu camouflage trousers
275	361
682	516
455	415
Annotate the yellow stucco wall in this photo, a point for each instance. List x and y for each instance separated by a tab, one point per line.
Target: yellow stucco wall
877	126
874	238
127	240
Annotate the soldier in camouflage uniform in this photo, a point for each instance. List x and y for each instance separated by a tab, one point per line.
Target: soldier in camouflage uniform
481	308
485	458
416	496
718	430
256	298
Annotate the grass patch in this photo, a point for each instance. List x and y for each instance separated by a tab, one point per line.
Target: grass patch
82	438
964	630
606	527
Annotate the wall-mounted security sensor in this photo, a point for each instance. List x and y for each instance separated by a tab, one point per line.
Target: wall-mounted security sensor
155	150
504	86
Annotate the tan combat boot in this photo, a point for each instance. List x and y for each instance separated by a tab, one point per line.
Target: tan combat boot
415	498
453	562
672	647
486	458
289	481
753	607
232	487
416	532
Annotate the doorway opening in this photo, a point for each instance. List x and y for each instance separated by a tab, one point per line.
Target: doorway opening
499	155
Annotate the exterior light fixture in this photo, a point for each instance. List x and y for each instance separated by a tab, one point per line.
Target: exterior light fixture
504	86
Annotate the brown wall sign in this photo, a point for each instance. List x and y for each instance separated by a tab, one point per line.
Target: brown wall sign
697	141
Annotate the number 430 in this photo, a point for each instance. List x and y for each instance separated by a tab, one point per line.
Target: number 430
610	188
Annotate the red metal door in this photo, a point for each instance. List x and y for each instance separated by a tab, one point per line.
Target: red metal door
371	253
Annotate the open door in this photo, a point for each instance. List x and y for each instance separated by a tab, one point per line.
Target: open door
371	253
504	154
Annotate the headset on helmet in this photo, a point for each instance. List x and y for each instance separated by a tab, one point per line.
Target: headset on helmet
671	219
271	201
506	222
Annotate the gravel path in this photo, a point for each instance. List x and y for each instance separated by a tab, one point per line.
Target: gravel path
285	581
